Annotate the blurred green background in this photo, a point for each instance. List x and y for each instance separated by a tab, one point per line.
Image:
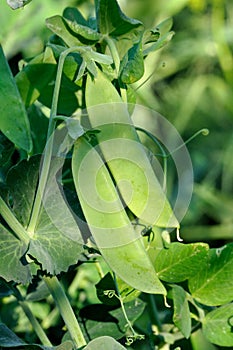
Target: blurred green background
191	85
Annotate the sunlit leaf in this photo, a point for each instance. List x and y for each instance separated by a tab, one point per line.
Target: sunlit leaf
178	262
213	284
104	343
181	315
217	326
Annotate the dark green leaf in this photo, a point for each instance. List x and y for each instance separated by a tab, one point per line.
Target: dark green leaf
134	68
181	316
12	250
106	284
22	182
6	150
39	126
213	284
113	323
14	121
8	338
104	343
74	15
43	66
217	325
179	262
111	20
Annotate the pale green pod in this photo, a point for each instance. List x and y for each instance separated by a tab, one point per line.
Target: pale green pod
122	248
125	155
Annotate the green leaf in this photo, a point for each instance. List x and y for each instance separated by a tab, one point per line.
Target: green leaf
113	323
181	316
217	325
57	241
213	283
84	34
111	20
134	68
39	126
74	15
179	262
8	338
6	151
161	42
58	25
12	250
22	182
165	26
43	66
104	343
14	121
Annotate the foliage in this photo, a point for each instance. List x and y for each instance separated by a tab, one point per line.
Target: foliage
60	235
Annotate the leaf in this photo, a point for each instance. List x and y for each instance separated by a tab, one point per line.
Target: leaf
12	250
134	68
14	121
58	25
22	181
161	42
6	151
217	326
15	4
84	34
114	323
104	343
181	315
179	262
30	87
8	338
213	284
39	126
57	241
111	20
74	15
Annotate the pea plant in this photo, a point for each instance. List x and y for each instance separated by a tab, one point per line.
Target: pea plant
81	191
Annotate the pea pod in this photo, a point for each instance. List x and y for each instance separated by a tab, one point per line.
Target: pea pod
120	245
125	155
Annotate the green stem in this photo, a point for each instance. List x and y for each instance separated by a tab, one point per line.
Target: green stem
35	324
49	145
114	53
66	311
13	223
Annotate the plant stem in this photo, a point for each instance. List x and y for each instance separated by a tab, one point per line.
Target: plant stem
13	223
35	324
114	52
49	145
66	311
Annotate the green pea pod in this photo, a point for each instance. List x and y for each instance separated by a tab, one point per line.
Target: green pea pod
118	242
125	155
